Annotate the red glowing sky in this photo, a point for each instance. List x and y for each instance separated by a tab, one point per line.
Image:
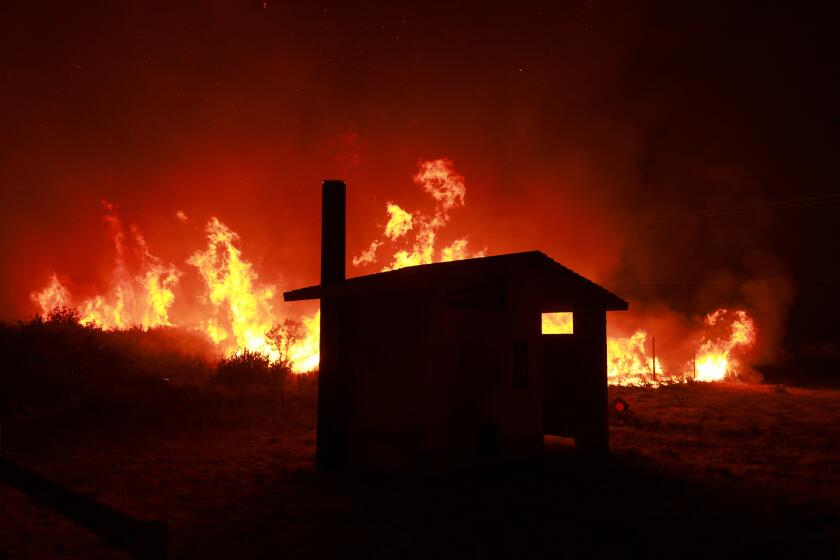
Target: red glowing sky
571	122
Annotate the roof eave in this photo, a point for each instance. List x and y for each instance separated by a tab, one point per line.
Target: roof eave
617	304
303	294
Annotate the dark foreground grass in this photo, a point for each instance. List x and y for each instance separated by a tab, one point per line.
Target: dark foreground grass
60	379
252	491
697	471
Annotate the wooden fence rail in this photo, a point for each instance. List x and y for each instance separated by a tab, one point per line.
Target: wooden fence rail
145	540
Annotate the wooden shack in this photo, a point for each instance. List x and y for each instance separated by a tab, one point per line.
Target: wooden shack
445	364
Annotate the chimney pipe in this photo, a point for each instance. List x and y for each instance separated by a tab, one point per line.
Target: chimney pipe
332	232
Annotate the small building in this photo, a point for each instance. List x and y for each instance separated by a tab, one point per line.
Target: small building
445	364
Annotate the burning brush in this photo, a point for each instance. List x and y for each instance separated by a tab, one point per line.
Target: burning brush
236	309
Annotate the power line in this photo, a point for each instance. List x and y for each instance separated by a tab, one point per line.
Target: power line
777	205
726	282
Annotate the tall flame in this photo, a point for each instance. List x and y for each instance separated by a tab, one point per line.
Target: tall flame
439	179
141	290
241	315
242	311
628	362
715	358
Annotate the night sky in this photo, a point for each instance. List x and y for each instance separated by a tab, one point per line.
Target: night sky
685	156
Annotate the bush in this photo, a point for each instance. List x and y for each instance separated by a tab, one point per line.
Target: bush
250	370
63	376
56	365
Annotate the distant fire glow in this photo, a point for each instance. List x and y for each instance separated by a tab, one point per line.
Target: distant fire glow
724	336
715	359
628	361
238	311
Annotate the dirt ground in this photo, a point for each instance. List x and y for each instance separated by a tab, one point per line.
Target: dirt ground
724	470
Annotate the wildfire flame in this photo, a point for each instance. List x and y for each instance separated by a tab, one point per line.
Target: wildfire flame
140	298
628	362
439	179
304	352
240	314
723	337
715	358
242	311
53	296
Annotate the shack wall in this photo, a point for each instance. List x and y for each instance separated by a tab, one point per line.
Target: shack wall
428	383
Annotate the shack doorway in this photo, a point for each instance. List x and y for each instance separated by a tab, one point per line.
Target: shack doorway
562	386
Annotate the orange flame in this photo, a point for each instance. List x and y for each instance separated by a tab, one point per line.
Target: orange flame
715	360
139	298
242	316
241	313
304	352
399	223
628	362
724	335
446	186
53	296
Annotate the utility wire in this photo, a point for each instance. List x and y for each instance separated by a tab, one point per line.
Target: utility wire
777	205
725	282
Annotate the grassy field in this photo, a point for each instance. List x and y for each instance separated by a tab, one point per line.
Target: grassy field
772	439
724	470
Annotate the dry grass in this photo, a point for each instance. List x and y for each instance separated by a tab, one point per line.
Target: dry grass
772	439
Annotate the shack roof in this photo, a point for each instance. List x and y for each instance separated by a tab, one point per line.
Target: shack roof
557	284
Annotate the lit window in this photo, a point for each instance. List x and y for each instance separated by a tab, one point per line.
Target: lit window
558	323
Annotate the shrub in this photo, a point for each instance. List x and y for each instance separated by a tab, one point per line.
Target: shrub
249	369
57	365
56	369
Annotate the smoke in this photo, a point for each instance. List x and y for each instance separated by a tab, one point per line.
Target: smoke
770	298
576	126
